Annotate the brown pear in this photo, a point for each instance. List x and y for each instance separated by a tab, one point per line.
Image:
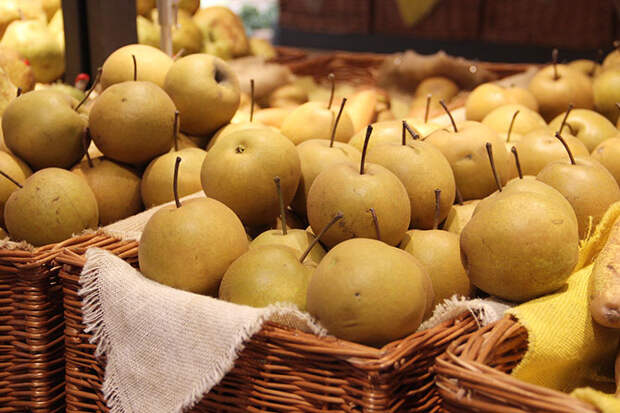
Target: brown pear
374	202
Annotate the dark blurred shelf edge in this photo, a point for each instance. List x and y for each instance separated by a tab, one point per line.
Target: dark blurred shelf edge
470	49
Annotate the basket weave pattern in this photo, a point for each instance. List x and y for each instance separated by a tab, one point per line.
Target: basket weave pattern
280	369
472	375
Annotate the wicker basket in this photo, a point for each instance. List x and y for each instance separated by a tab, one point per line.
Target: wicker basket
32	373
472	375
280	369
361	68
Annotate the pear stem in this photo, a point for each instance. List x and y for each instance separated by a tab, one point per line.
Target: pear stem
332	79
428	107
87	95
178	54
175	182
413	133
19	91
375	221
489	147
331	139
436	216
316	239
517	162
404	136
135	68
365	149
281	202
251	99
570	154
85	140
459	196
11	179
512	123
565	118
443	105
554	62
176	130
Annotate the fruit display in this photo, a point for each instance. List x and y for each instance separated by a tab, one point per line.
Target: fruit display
360	205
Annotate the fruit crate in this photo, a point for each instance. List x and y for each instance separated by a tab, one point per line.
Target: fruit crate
280	369
32	367
473	375
361	68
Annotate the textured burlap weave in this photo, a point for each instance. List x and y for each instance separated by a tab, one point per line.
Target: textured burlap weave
166	348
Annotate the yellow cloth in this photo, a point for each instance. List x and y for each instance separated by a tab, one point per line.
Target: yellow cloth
566	348
606	403
412	11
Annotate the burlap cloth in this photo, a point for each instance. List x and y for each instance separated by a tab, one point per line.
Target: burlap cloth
166	348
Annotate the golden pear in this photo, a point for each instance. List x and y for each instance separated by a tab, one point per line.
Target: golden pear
588	126
499	119
313	120
199	82
459	216
17	170
266	275
43	128
190	247
608	154
520	246
133	122
151	63
116	188
239	172
53	205
368	292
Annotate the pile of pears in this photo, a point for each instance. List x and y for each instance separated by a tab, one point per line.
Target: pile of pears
330	204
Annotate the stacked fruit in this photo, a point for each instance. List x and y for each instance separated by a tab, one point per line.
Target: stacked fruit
353	223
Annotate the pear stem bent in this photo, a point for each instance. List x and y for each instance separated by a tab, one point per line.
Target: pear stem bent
498	182
276	179
413	133
10	178
443	105
517	162
512	123
570	154
436	216
316	239
94	85
365	149
565	118
175	182
331	139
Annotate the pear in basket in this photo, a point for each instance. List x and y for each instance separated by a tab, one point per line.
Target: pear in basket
589	187
239	171
421	168
521	242
45	128
205	90
297	239
133	121
316	155
608	154
315	120
540	147
52	205
369	292
156	186
489	96
588	126
439	254
373	200
272	273
153	65
465	150
189	246
556	86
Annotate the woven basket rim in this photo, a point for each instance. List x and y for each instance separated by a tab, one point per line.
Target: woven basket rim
366	357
